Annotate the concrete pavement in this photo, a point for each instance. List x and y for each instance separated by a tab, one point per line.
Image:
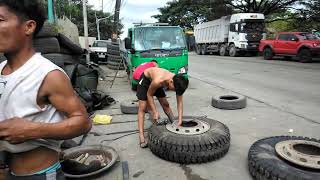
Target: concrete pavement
282	95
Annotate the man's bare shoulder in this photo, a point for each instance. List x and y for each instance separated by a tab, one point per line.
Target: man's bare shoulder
55	81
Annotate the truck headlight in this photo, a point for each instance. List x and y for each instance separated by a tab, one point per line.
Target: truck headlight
183	70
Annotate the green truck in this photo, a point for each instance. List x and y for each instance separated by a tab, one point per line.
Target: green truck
160	42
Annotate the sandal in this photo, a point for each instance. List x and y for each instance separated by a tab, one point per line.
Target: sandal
143	144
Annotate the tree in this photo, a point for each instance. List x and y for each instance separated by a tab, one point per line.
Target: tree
267	7
309	16
72	9
187	13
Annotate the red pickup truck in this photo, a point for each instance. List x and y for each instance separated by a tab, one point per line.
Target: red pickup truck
304	45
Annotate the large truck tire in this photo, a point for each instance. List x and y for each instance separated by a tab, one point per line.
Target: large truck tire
67	43
265	164
223	50
2	58
114	47
46	45
186	149
198	49
47	30
233	51
267	53
204	50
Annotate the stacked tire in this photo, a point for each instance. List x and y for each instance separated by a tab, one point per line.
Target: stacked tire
56	47
115	61
2	58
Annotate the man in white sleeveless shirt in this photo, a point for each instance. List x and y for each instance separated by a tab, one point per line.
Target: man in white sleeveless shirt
38	107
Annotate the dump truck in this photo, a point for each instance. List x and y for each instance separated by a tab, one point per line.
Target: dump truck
234	35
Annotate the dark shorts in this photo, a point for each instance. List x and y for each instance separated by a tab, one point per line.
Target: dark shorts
143	86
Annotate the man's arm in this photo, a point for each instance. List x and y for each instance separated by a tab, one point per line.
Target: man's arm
58	89
152	89
180	109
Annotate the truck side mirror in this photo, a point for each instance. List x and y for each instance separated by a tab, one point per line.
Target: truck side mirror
127	43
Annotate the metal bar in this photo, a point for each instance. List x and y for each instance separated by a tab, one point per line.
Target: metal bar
50	11
125	170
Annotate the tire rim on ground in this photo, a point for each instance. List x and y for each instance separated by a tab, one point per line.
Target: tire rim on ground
300	152
190	126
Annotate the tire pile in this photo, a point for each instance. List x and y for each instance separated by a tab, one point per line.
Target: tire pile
114	59
84	77
56	47
2	58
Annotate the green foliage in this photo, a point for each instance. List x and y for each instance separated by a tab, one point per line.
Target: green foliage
72	9
187	13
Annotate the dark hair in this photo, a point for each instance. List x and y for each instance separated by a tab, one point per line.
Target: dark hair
180	83
154	61
27	10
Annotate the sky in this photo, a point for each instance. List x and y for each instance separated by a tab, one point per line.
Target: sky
132	11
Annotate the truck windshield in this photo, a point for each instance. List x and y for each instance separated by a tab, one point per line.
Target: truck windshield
166	38
308	36
99	44
252	27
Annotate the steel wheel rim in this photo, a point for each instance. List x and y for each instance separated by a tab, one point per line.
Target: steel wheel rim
196	127
300	152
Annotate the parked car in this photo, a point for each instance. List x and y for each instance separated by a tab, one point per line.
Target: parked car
98	50
304	45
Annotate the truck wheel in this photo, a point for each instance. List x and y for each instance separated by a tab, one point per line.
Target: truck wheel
267	53
305	55
198	140
198	49
233	51
223	50
265	163
204	50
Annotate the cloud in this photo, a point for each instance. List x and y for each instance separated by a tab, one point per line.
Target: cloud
133	11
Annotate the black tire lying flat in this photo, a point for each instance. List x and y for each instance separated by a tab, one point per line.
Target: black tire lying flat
129	107
46	45
47	30
60	58
114	47
229	102
113	52
67	43
265	164
115	67
187	149
2	58
71	72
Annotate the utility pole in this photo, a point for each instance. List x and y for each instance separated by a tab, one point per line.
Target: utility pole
98	24
116	21
50	11
102	5
85	26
